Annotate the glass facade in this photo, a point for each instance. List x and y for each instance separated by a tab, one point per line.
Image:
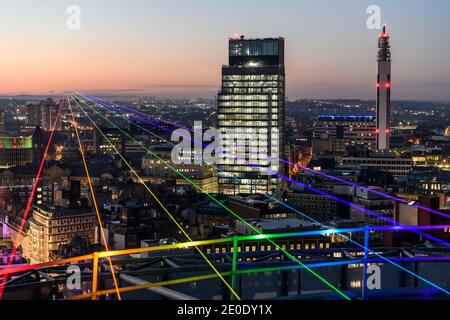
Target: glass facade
251	116
265	47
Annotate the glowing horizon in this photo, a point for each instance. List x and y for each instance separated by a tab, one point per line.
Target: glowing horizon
177	47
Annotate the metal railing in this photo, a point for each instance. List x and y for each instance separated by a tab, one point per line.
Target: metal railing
235	240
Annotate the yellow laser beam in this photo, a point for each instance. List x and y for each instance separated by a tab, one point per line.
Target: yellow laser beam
159	202
94	201
293	258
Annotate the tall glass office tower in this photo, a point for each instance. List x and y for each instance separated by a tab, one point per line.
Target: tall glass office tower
251	116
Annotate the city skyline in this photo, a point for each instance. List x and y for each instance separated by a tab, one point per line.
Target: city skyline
152	54
223	152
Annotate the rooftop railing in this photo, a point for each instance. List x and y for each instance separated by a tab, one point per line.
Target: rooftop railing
96	257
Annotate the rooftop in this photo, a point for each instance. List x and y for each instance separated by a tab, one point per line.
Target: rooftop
355	118
59	211
275	224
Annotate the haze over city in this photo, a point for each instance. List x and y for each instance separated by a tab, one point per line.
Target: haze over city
175	48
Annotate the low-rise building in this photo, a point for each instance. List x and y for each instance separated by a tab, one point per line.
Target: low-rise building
398	166
49	227
428	180
369	201
350	129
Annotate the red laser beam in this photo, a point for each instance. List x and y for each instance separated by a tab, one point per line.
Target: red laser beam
30	200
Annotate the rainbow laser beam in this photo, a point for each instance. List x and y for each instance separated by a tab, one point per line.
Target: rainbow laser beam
407	270
232	239
185	245
162	205
31	198
331	177
379	228
367	228
222	205
377	254
352	205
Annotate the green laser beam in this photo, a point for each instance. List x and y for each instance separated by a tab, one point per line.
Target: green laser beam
221	204
162	206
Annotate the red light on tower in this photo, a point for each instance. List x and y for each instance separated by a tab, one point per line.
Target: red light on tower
388	85
378	84
235	36
377	131
388	131
384	34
